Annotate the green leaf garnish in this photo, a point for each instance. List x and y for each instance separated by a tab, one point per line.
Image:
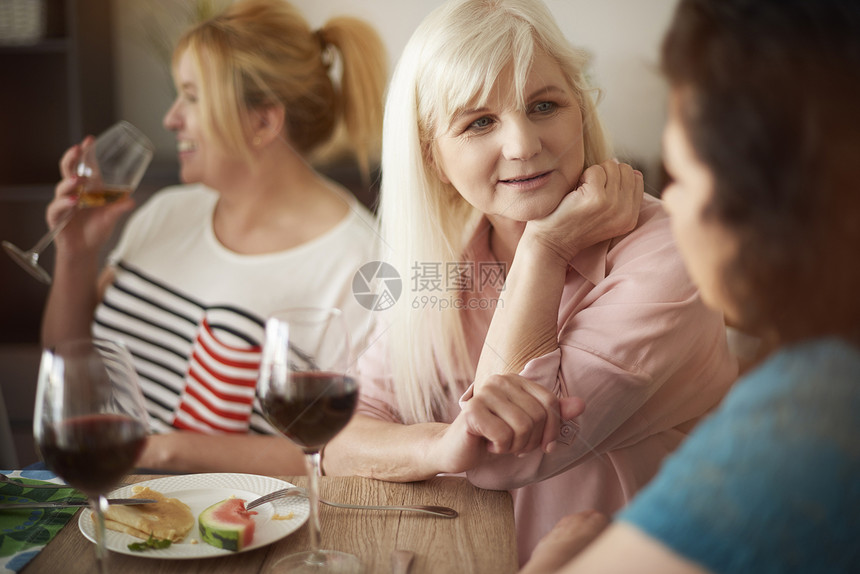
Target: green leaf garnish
150	543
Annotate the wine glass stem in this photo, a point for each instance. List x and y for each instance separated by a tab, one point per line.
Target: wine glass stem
53	232
312	462
99	504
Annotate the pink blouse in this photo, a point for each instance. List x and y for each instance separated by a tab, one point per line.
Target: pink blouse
635	342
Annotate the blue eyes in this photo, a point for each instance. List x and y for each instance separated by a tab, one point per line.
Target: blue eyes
485	122
481	123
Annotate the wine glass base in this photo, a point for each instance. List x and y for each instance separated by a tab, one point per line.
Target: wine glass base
323	561
28	260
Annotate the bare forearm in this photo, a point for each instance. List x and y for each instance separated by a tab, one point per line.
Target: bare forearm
384	450
567	539
624	548
525	323
605	205
194	452
72	300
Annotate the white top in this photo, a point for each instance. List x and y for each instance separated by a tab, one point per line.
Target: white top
192	311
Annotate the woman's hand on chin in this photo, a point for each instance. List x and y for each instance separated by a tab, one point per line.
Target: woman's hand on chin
605	205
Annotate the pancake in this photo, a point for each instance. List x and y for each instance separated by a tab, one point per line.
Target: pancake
167	519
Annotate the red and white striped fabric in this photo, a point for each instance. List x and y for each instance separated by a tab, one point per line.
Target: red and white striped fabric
219	387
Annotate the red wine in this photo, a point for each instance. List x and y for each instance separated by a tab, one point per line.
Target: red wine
318	408
93	453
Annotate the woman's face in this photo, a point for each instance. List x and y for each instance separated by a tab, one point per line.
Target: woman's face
705	245
201	159
516	163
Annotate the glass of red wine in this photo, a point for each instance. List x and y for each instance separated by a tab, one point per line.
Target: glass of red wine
307	394
90	422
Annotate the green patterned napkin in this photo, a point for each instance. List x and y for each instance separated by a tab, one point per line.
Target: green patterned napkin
23	533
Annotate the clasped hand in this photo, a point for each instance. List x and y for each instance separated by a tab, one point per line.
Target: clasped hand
510	415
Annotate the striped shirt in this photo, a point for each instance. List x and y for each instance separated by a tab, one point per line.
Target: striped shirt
197	364
192	312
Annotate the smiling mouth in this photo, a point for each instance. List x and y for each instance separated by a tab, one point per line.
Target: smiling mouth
525	179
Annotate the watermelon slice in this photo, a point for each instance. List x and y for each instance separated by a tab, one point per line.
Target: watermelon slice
227	525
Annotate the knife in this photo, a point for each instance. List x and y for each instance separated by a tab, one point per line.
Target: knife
70	503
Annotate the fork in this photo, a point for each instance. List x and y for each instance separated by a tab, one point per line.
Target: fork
6	479
441	511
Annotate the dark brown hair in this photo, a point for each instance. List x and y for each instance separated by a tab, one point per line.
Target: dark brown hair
770	100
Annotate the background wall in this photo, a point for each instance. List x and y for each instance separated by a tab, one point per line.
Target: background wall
623	36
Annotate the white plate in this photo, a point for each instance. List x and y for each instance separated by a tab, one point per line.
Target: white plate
199	491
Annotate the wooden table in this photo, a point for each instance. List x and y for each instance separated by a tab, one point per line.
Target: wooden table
481	540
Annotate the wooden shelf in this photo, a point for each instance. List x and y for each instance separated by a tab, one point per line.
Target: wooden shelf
55	91
46	46
27	192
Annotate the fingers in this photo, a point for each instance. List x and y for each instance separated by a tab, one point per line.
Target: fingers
623	192
70	159
65	198
631	180
571	407
632	186
508	419
611	184
620	179
594	176
67	187
639	188
614	179
517	416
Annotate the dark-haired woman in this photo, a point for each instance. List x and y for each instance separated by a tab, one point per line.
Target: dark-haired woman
762	143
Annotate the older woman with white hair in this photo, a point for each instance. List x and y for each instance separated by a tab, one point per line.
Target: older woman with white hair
538	272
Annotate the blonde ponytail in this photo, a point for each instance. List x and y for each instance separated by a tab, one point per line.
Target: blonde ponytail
261	53
362	84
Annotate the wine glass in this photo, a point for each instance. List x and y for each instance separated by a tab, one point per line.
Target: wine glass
110	169
307	394
90	422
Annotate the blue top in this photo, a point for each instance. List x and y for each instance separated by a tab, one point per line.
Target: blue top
771	481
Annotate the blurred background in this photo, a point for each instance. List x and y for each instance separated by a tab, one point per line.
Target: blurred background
73	67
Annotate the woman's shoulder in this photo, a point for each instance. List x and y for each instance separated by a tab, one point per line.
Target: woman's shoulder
359	224
653	219
172	208
775	464
354	237
810	383
176	196
651	233
813	366
648	256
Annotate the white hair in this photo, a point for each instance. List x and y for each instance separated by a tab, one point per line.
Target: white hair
451	62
